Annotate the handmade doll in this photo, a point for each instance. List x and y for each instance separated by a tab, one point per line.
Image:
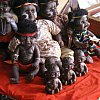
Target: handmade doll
82	38
48	10
46	29
80	67
53	83
26	56
68	76
8	26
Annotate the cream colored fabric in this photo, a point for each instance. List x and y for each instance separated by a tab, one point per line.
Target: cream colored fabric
48	47
66	52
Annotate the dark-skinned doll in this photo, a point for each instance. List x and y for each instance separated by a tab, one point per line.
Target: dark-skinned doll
26	56
83	39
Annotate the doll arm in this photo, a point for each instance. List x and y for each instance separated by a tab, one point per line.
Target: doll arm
59	39
14	56
80	44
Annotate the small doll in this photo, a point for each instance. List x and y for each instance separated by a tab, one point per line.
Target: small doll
8	26
68	76
26	56
53	83
82	38
80	67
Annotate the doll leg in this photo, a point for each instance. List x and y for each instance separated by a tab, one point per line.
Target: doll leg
33	72
15	75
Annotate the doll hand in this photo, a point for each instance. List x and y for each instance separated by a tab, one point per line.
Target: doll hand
14	57
61	43
85	45
35	64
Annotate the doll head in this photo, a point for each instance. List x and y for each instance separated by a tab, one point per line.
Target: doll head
27	32
4	6
78	19
53	71
79	56
68	63
48	9
25	8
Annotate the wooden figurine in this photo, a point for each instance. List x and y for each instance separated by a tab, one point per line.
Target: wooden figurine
68	76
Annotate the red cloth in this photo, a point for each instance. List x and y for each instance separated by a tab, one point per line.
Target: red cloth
86	87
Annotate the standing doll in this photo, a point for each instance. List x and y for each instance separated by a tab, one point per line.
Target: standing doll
80	67
68	76
26	56
83	39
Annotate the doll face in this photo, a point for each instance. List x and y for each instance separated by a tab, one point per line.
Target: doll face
83	23
55	73
51	10
26	40
30	11
81	59
69	65
4	7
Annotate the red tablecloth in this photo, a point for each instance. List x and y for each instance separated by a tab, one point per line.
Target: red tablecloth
86	88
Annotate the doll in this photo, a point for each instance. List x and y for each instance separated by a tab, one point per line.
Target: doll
8	26
82	38
53	83
48	10
26	56
68	77
80	67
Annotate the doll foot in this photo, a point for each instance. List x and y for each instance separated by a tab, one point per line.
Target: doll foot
29	78
14	81
89	59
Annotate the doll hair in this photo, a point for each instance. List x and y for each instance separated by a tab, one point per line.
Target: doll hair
26	26
74	16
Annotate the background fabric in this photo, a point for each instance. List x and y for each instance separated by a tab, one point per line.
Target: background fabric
86	87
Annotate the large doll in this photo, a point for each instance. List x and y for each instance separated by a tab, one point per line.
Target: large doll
46	29
8	26
26	56
82	38
48	10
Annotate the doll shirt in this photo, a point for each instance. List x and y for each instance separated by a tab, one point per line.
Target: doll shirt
48	47
84	37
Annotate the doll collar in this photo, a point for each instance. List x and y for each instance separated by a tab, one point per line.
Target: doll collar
27	34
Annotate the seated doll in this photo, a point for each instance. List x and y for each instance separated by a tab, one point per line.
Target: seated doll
7	26
53	83
48	10
82	38
68	76
26	56
80	67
